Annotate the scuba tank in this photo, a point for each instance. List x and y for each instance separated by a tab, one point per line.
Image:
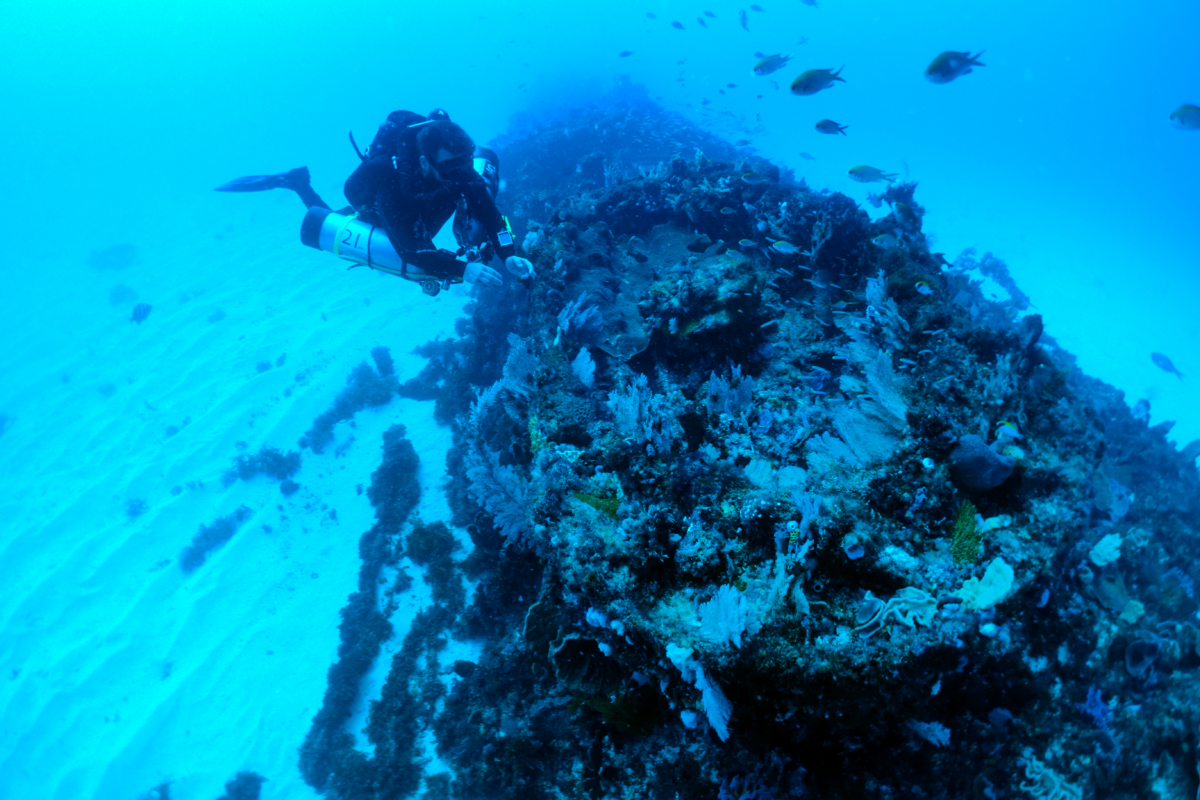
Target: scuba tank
353	239
363	244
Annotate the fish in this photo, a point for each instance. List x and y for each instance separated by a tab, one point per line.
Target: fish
140	312
906	216
829	126
786	248
808	156
742	18
747	243
1186	117
119	256
1006	430
1164	363
700	245
771	63
677	25
864	174
950	65
703	24
923	287
650	14
886	240
625	53
742	142
709	14
814	80
759	9
731	86
812	3
752	179
727	210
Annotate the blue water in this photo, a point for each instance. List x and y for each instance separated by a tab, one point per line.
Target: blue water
1058	156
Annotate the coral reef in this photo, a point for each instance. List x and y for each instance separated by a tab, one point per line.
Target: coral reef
210	537
244	786
267	461
329	761
815	521
365	388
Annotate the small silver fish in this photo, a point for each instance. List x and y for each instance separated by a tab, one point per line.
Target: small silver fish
770	64
864	174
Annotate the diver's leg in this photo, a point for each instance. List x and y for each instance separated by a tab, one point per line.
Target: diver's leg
295	179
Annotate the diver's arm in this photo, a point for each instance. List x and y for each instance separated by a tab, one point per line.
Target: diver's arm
483	208
402	224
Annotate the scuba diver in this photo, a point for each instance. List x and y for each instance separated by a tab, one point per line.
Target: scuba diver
417	172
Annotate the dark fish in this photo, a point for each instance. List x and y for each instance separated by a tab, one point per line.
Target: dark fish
140	312
742	19
731	85
1160	361
759	55
119	256
703	24
757	8
807	157
701	244
121	294
626	53
677	25
651	15
709	14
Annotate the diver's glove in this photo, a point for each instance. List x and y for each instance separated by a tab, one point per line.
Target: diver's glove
522	268
479	272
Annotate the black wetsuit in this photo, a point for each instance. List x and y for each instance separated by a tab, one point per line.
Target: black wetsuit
388	189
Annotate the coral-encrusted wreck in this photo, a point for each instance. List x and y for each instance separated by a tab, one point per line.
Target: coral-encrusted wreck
766	504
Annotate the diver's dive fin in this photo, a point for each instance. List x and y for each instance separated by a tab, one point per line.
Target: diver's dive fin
294	179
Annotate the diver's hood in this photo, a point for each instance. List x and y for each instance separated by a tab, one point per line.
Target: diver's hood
487	164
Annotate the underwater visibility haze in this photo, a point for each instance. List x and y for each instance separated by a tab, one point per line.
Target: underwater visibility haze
839	440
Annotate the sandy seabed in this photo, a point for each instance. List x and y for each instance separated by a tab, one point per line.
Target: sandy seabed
117	670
